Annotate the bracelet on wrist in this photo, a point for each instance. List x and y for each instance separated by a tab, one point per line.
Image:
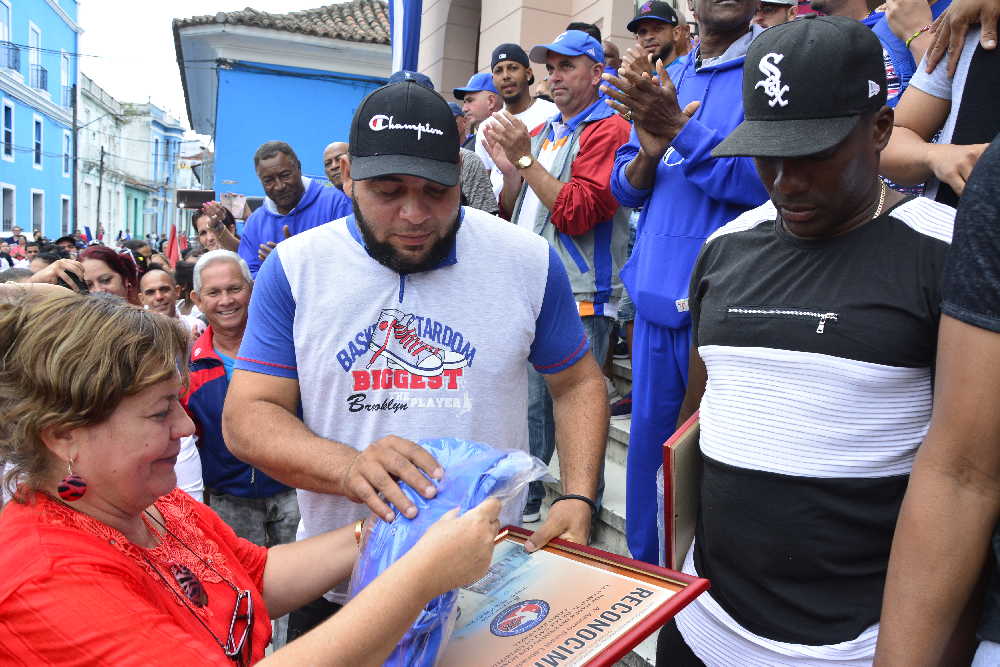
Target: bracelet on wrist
917	34
359	529
573	496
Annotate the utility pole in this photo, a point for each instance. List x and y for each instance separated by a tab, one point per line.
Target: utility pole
76	173
100	184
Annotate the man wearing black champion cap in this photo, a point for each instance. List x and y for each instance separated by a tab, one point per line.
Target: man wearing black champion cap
814	333
414	317
513	77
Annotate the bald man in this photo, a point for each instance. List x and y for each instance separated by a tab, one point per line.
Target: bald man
158	292
331	162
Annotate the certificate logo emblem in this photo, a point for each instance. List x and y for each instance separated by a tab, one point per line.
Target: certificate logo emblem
519	618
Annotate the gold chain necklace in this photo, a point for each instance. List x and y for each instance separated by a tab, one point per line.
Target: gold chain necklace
881	199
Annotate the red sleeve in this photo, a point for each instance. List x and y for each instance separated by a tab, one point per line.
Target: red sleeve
50	620
586	199
252	557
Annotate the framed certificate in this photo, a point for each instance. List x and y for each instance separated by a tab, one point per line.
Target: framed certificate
681	489
566	604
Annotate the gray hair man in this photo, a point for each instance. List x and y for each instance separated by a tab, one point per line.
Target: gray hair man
556	184
258	508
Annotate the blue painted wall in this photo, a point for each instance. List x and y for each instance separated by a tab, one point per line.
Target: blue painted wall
56	35
164	159
306	108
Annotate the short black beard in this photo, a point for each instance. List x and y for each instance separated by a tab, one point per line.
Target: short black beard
666	54
383	253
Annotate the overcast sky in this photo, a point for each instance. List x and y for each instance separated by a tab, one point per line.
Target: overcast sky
128	45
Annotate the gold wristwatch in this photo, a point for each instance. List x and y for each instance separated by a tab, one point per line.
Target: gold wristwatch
524	162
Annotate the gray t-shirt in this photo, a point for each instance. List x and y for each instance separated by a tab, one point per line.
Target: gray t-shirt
476	187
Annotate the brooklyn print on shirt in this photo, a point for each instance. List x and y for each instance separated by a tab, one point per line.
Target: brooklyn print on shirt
405	361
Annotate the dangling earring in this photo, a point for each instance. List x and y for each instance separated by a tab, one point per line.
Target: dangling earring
72	487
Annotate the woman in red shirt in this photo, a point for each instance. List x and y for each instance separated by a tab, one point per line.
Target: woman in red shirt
134	571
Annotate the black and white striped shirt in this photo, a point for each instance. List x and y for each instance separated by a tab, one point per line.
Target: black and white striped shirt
820	356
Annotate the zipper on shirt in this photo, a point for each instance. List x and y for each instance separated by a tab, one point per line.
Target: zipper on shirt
792	313
402	286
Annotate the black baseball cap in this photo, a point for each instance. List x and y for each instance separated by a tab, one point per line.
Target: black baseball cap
404	128
511	52
793	110
656	10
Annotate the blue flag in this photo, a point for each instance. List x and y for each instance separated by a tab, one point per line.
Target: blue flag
404	31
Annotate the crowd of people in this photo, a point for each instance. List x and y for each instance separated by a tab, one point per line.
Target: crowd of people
757	208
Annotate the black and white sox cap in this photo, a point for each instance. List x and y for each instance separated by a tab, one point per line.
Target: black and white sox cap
405	128
805	83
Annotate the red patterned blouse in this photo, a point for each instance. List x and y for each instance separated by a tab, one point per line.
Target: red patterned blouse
74	591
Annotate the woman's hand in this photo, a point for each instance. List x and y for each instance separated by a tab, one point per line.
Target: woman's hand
59	270
457	549
953	163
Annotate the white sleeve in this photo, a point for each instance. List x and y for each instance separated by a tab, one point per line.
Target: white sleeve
188	469
481	151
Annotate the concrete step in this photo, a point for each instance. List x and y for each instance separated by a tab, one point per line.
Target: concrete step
622	368
643	655
618	434
621	375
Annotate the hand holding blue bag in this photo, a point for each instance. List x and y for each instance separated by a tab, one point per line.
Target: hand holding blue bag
473	472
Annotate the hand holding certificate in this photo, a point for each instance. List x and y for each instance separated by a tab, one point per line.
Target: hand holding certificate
565	604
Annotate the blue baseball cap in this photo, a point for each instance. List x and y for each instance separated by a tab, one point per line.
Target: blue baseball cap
415	77
570	43
478	82
455	109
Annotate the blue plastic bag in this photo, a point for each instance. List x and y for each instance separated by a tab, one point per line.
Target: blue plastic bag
472	473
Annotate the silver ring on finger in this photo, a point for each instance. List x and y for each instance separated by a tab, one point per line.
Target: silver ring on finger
627	115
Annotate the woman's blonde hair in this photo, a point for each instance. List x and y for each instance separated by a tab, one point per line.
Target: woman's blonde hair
68	361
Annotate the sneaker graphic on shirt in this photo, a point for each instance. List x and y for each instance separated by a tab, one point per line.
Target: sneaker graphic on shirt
396	341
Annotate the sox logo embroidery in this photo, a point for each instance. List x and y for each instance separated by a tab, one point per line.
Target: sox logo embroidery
771	83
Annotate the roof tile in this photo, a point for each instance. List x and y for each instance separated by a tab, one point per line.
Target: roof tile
355	21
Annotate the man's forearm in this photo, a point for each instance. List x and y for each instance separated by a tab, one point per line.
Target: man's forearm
303	460
508	194
227	239
545	186
641	171
581	416
920	44
940	545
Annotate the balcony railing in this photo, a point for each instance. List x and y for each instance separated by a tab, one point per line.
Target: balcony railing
10	56
39	77
67	96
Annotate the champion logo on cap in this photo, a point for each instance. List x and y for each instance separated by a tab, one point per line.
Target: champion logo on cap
771	83
873	88
381	122
502	56
646	8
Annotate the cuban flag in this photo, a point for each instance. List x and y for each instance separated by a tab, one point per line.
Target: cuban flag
404	27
